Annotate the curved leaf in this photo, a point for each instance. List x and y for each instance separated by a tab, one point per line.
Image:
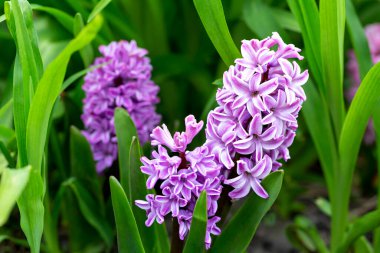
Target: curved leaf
248	217
195	240
128	237
13	182
358	39
213	19
90	210
358	228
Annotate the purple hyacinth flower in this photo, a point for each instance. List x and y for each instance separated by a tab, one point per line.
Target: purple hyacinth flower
251	94
281	113
179	142
182	175
257	140
184	182
257	111
250	176
203	162
122	80
152	210
170	201
212	229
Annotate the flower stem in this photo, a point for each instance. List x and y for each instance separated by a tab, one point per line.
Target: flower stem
176	244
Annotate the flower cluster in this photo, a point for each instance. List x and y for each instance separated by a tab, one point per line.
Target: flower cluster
181	176
255	122
122	80
373	36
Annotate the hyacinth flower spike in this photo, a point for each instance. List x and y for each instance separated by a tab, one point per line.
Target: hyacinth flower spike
181	176
122	80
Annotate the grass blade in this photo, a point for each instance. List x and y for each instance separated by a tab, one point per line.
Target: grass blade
248	217
128	237
62	17
307	15
125	130
358	39
90	210
365	101
213	19
97	9
133	180
13	182
332	20
195	240
358	228
321	131
376	123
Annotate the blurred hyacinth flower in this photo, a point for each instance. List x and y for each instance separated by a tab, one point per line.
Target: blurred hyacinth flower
373	36
123	80
181	175
255	122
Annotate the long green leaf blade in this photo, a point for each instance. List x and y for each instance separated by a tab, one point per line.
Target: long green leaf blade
195	240
358	228
128	237
248	217
90	210
362	106
358	39
13	182
213	19
332	20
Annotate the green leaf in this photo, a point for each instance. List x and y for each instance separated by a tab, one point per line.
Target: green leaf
376	123
332	20
307	15
20	20
358	39
362	245
260	18
97	9
304	235
90	210
48	90
322	134
213	19
365	101
86	53
62	17
128	237
13	182
133	180
69	81
6	113
125	131
323	205
248	217
82	164
286	19
358	228
195	242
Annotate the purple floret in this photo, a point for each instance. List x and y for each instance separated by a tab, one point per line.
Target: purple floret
123	80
